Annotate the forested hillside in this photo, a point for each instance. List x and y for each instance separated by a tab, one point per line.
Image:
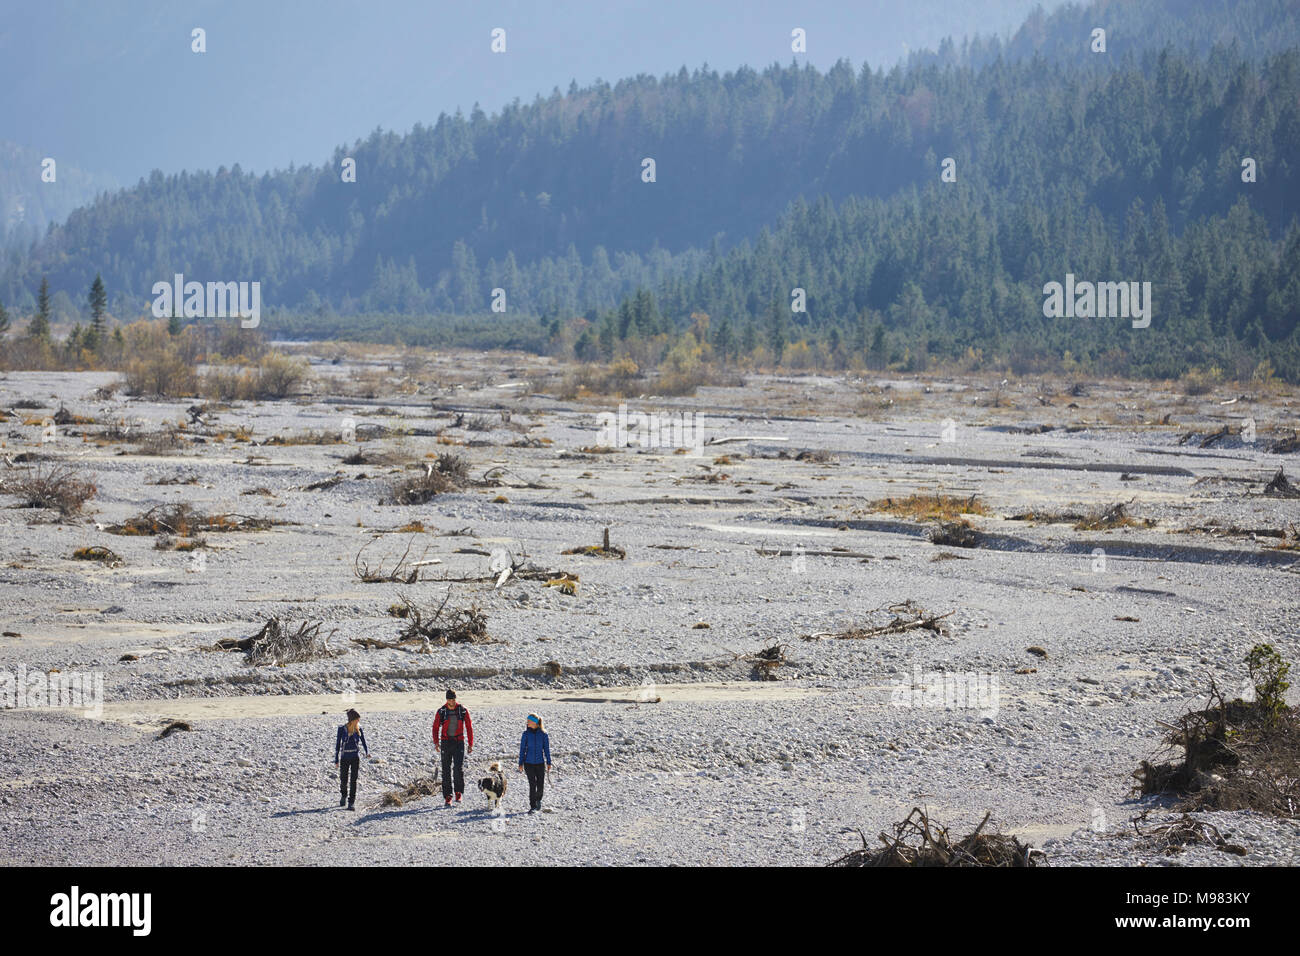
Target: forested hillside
1114	167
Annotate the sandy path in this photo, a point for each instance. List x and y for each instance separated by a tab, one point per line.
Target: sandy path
141	712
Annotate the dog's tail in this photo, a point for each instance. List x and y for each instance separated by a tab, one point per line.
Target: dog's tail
495	766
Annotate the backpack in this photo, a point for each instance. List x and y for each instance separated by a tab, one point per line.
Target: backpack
451	720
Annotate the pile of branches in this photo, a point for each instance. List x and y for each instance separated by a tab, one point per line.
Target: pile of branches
275	643
181	520
768	661
1173	837
441	626
917	841
415	790
1237	755
907	616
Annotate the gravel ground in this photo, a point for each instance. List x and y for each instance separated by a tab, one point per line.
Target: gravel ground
724	768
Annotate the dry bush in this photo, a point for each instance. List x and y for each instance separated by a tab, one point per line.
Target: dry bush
1116	516
161	442
104	556
183	521
228	383
450	472
955	534
1201	381
930	507
279	375
161	373
60	487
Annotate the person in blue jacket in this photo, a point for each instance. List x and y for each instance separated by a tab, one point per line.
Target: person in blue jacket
348	744
535	760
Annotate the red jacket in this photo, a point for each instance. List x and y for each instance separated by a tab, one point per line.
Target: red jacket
464	728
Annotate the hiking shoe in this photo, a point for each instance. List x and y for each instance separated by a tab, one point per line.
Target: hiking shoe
531	811
342	801
447	801
458	796
351	807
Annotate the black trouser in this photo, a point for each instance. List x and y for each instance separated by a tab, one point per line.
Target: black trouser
536	783
453	751
349	766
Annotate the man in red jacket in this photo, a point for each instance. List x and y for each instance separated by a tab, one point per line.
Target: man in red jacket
456	730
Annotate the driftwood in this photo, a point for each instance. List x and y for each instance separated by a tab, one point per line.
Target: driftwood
439	627
907	616
403	572
1172	837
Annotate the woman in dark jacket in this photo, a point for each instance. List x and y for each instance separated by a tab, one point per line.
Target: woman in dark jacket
348	744
535	760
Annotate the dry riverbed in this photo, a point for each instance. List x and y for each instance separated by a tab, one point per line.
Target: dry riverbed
703	702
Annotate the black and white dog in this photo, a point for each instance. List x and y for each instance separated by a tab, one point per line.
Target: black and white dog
494	785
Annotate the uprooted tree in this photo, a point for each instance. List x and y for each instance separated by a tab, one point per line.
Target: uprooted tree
276	643
1237	754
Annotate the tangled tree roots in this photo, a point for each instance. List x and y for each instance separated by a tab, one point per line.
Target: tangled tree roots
276	644
1281	487
917	841
417	789
1237	755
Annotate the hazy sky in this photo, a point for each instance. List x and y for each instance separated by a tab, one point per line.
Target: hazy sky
112	85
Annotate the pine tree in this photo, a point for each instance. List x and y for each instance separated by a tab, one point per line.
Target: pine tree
98	307
39	328
776	331
723	341
4	319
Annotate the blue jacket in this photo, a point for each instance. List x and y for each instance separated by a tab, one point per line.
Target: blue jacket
349	743
535	747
